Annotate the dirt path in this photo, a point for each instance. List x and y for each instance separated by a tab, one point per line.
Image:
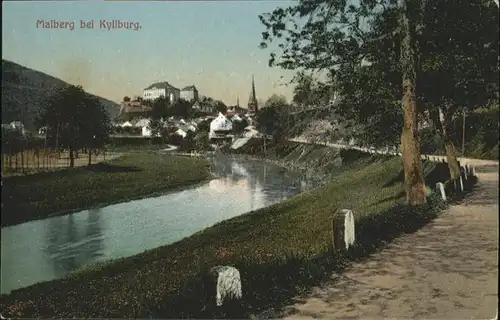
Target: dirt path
446	270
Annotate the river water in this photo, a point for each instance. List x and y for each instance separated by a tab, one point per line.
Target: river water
51	248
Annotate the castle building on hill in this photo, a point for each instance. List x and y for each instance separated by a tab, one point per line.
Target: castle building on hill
161	89
190	93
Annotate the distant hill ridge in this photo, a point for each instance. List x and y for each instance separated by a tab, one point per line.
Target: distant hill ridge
24	90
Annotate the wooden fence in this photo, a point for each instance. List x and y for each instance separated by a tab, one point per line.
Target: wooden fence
32	160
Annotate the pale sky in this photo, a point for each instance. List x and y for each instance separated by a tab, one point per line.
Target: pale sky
211	44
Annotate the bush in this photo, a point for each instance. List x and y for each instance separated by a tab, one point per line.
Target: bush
129	141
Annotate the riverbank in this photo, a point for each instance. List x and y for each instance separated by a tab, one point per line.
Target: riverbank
278	250
130	177
321	163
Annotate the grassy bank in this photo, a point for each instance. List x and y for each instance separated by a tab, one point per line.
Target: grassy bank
279	251
133	176
319	162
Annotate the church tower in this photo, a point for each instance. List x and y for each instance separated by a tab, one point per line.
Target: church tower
252	101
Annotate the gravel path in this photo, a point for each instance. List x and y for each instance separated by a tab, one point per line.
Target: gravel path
446	270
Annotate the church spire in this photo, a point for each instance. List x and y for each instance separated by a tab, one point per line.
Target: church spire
238	101
252	100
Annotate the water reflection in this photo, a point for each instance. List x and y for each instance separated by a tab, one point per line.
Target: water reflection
73	244
47	249
252	179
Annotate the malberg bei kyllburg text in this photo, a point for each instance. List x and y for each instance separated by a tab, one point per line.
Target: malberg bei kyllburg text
89	24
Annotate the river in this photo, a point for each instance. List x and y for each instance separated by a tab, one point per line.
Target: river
51	248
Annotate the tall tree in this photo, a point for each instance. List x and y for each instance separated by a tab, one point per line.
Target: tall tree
160	109
220	106
275	101
326	35
410	144
272	121
459	64
181	108
95	126
74	120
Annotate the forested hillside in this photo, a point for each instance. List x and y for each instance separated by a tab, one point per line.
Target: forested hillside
24	90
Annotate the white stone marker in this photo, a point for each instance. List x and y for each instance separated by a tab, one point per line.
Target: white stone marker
228	283
343	230
468	169
461	184
464	168
473	171
440	186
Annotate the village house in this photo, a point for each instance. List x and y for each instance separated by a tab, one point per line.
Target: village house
221	129
17	126
204	107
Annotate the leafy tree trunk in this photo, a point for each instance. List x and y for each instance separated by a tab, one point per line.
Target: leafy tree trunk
451	156
57	140
90	156
442	123
71	157
410	145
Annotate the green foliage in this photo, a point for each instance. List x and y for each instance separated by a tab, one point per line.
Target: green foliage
181	108
13	142
459	57
75	120
204	126
481	136
358	45
308	91
201	141
157	128
275	101
117	142
220	106
130	177
128	130
160	108
188	143
272	121
239	126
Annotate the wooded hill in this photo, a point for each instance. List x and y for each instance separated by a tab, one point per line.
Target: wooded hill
24	90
